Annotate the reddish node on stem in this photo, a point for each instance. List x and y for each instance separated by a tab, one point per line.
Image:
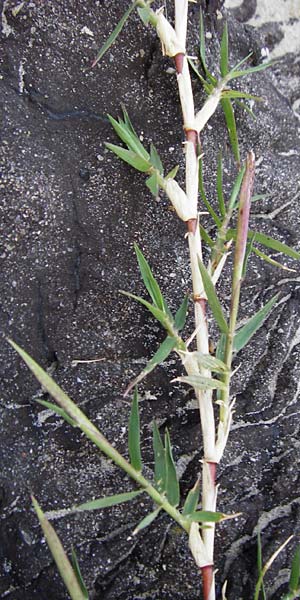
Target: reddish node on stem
213	471
178	59
192	226
207	580
191	136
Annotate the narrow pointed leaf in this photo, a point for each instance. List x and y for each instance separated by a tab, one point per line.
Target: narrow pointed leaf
220	186
144	14
57	410
234	74
160	355
204	197
152	184
260	564
208	87
129	138
133	159
207	361
269	242
213	299
249	248
180	317
246	332
149	279
172	173
156	312
202	51
151	283
221	346
224	51
257	197
233	201
52	388
236	94
155	159
192	500
147	520
172	484
86	426
77	571
202	383
246	108
241	62
113	36
108	501
204	235
267	566
62	562
231	127
207	516
271	261
134	441
128	122
295	572
159	460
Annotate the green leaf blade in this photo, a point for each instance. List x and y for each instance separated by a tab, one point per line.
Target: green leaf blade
156	312
160	355
204	197
149	280
207	361
206	237
268	259
131	158
57	410
159	460
172	174
220	186
180	317
221	348
134	441
200	382
294	581
246	332
56	548
147	520
77	571
155	159
273	244
108	501
172	484
234	74
192	500
152	184
202	51
113	36
260	565
206	516
213	299
236	95
233	201
224	51
231	127
129	138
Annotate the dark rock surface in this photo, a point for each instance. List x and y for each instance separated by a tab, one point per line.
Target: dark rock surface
69	216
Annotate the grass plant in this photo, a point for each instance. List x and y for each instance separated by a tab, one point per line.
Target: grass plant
208	374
